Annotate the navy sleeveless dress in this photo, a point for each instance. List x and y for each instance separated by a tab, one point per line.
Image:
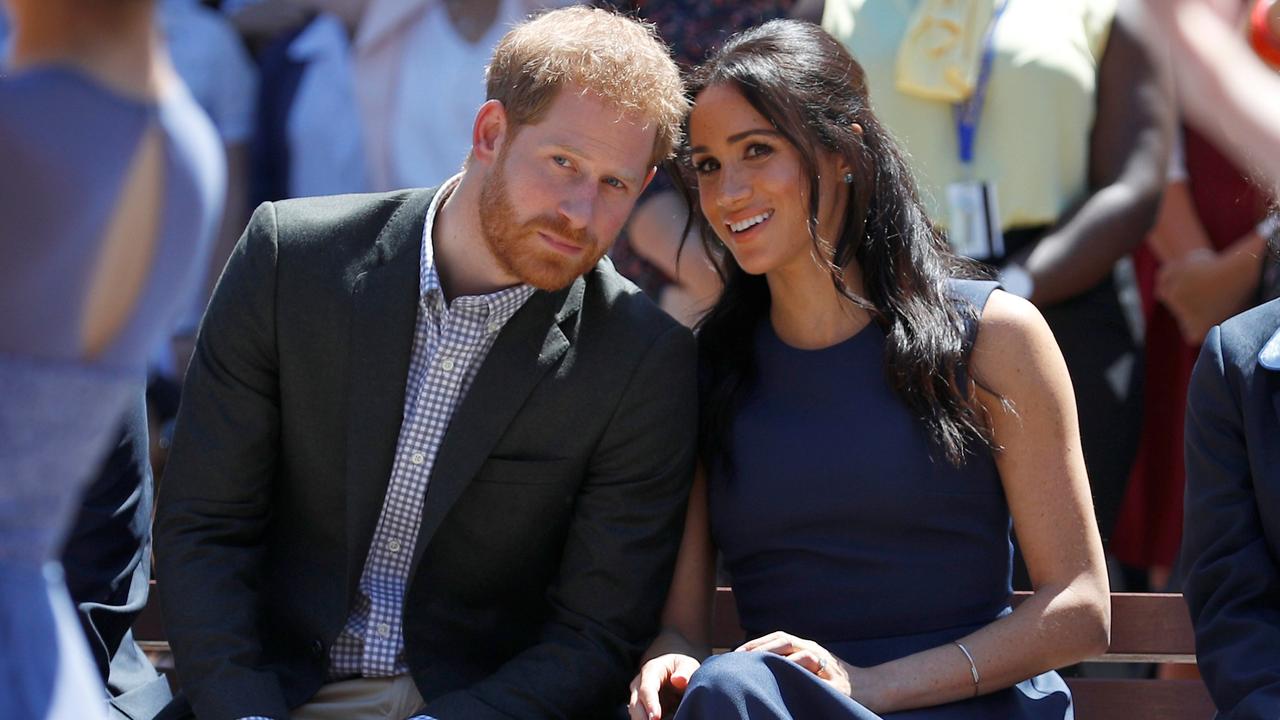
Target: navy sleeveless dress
841	524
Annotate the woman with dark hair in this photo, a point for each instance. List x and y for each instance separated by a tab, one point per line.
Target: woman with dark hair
873	419
1037	134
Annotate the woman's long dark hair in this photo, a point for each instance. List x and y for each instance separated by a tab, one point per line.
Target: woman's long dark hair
812	90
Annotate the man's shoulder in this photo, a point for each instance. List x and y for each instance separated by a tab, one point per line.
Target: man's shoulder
612	300
1242	337
300	219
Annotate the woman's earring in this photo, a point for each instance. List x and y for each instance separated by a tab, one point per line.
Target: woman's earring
848	178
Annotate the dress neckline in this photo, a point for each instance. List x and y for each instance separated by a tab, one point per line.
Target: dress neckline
771	336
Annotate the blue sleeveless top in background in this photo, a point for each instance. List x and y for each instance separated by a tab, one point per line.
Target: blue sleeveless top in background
840	522
66	145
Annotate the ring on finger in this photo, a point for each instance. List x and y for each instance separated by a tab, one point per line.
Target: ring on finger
822	665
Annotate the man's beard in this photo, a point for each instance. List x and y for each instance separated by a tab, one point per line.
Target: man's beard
516	245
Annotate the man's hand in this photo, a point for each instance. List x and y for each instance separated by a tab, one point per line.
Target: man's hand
660	684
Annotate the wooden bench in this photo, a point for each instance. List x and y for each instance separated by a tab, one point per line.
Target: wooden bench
149	633
1145	628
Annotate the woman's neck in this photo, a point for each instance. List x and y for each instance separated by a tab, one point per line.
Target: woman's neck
808	312
113	41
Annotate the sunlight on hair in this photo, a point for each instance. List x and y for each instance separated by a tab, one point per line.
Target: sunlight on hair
612	56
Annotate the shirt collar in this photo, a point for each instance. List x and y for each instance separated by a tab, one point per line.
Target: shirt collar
501	304
1269	356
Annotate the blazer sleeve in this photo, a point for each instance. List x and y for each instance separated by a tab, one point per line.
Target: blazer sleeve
618	557
213	504
1231	584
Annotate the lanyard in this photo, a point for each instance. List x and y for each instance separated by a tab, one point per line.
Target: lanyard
968	113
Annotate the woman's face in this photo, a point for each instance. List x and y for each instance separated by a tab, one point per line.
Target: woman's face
752	184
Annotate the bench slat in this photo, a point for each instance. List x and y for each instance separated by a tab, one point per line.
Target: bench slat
149	625
1115	699
1151	623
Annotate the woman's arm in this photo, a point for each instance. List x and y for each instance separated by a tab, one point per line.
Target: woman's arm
1222	85
1127	154
1067	619
1177	232
685	637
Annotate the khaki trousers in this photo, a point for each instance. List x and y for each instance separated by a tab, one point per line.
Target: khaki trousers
393	698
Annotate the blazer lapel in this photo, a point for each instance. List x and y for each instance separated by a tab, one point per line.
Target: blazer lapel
530	345
383	320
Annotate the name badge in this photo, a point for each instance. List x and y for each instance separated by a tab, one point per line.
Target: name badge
974	227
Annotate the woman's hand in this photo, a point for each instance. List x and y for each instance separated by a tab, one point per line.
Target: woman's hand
807	654
1203	289
660	684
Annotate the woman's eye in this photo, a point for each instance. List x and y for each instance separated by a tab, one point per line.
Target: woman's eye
702	167
759	150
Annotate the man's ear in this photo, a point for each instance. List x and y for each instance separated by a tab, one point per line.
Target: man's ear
648	178
489	131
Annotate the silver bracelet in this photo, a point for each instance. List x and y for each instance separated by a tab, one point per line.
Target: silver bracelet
973	667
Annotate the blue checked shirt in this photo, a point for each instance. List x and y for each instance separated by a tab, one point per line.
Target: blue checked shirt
449	345
451	340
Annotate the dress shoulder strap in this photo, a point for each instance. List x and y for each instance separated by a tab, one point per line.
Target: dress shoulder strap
975	292
970	297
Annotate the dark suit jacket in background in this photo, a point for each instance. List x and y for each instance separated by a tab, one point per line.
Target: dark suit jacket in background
555	504
107	564
1231	528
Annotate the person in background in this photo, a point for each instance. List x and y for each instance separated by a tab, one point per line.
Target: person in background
309	139
1224	87
1201	264
110	193
107	562
651	251
379	93
1037	131
873	419
214	65
419	72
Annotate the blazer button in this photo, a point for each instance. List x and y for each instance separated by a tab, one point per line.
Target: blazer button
317	648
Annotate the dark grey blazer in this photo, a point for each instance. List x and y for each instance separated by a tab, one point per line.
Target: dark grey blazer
1231	528
554	509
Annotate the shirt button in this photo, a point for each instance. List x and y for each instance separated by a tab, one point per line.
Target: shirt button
393	546
446	364
384	630
494	327
417	458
